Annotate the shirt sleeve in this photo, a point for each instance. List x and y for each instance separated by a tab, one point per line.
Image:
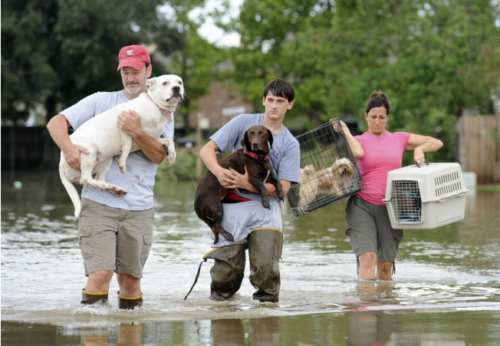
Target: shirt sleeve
403	138
289	167
82	111
228	137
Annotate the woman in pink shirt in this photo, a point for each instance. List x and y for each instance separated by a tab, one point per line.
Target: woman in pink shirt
378	151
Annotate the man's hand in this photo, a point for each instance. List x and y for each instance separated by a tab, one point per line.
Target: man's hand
225	178
240	181
130	123
72	154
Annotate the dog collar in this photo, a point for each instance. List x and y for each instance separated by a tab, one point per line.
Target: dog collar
167	114
163	111
257	156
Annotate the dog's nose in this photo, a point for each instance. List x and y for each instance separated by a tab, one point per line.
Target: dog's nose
176	89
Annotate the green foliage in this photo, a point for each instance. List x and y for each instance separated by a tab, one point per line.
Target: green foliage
57	51
184	168
433	58
196	60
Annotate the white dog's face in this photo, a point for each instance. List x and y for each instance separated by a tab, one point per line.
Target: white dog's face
166	89
344	168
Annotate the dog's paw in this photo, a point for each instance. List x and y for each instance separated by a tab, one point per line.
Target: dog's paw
170	146
119	191
228	236
265	203
122	166
171	156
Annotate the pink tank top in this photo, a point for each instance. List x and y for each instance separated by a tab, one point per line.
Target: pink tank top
382	154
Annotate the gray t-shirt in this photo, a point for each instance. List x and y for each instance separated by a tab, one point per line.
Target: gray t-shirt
140	177
285	155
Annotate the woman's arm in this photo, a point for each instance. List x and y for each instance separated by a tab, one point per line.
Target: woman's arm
356	147
422	144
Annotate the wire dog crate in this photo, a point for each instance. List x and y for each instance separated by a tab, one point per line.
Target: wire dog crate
425	197
328	170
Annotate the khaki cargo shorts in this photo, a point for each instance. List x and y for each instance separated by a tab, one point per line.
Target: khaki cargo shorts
114	239
369	230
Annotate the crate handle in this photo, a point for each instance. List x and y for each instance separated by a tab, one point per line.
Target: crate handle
416	164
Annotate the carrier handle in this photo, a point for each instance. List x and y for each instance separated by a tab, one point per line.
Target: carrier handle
416	164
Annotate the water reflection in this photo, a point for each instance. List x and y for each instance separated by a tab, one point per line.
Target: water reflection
354	327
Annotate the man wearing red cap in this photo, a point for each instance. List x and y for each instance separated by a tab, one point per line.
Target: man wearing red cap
116	233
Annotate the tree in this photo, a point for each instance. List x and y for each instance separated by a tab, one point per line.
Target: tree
196	60
56	52
434	58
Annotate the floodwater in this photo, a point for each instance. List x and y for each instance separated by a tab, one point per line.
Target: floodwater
446	290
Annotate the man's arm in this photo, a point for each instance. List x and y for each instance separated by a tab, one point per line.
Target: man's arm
209	157
130	123
58	129
240	181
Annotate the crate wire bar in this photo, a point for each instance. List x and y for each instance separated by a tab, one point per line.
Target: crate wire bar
328	169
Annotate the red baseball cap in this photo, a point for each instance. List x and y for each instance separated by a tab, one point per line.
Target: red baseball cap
134	56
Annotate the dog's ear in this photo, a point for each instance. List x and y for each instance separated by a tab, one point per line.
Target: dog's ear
245	143
151	83
270	138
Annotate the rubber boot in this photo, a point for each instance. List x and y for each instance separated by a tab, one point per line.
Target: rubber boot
129	303
264	249
89	298
228	270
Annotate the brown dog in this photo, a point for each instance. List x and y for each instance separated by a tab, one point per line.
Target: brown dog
255	156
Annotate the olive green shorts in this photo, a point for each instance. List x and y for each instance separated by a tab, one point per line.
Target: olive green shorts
114	239
369	230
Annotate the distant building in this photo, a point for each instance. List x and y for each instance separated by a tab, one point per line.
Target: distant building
223	103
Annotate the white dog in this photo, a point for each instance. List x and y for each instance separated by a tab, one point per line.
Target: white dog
333	181
102	137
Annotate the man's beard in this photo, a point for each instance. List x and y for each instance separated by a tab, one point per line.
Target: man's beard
133	92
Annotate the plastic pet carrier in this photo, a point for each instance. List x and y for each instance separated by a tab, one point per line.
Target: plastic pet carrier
426	196
328	170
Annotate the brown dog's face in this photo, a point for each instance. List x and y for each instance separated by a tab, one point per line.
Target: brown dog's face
256	139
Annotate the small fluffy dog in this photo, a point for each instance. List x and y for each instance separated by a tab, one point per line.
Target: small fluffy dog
103	138
333	180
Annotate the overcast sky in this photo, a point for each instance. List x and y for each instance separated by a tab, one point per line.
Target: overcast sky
208	29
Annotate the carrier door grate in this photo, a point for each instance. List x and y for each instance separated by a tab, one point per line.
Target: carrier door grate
406	201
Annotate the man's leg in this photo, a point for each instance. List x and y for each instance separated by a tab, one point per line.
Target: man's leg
135	236
130	294
228	270
264	249
97	236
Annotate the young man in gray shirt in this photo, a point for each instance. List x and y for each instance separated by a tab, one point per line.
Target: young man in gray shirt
253	226
116	233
